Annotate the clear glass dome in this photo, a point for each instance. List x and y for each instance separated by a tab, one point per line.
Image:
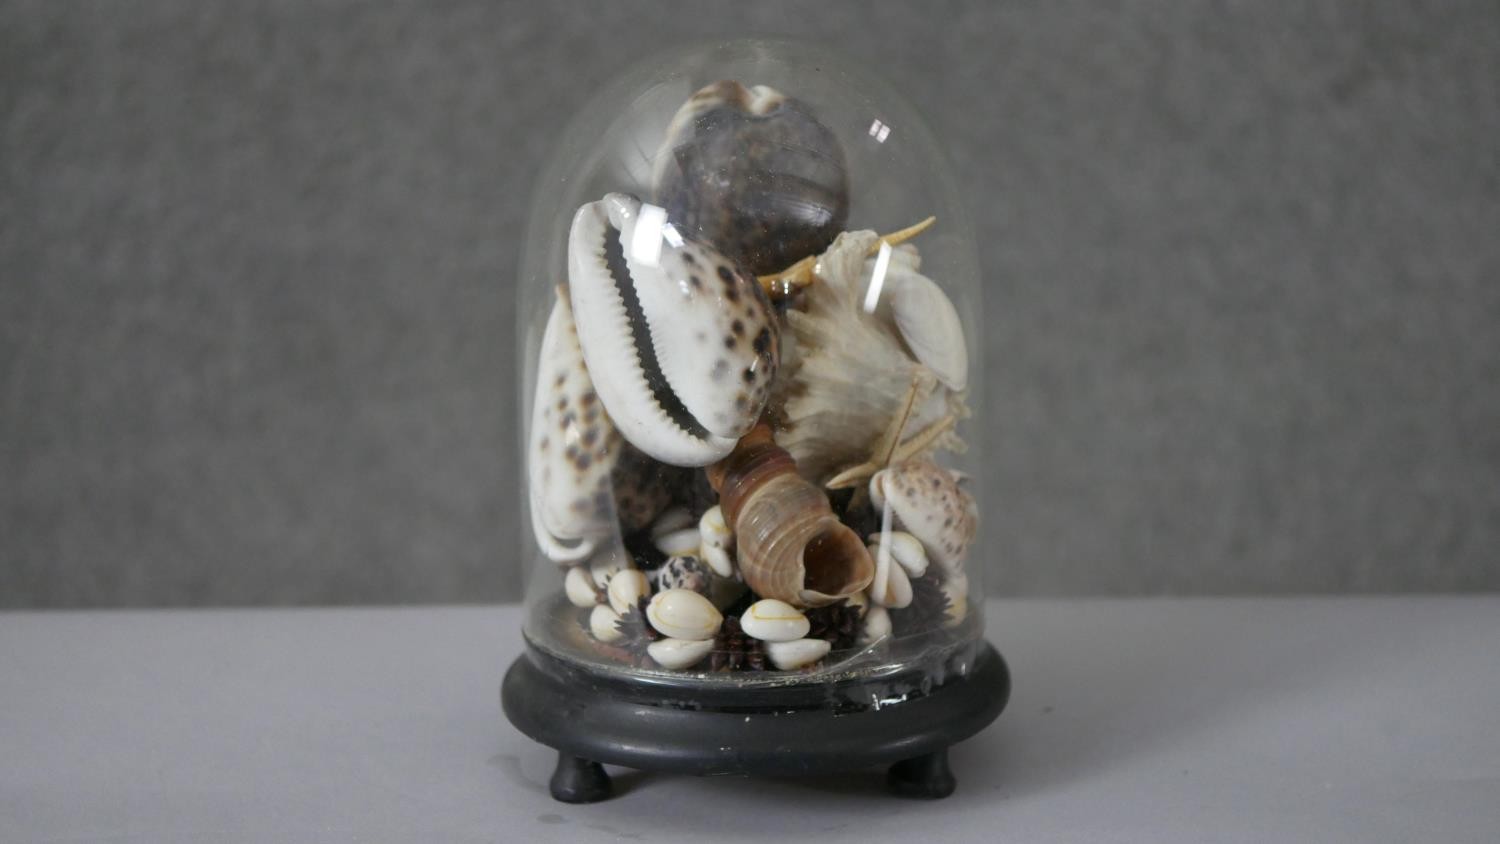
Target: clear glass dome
747	304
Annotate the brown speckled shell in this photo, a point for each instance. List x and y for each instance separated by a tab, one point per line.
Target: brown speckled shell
928	503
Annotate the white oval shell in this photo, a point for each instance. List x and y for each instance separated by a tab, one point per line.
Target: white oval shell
877	625
905	550
770	620
680	543
579	587
682	345
798	653
603	624
718	559
671	521
604	565
677	654
716	540
895	591
680	614
572	450
626	589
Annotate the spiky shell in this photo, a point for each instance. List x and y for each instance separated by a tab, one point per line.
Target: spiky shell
849	373
681	343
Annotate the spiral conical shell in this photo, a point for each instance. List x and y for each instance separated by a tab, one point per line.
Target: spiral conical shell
790	545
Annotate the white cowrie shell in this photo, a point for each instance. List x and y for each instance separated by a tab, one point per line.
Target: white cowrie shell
771	620
797	653
580	588
677	654
713	529
893	589
604	564
877	625
602	623
627	588
679	543
860	601
717	559
680	614
905	550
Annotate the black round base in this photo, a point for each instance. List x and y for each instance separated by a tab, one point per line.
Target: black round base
901	721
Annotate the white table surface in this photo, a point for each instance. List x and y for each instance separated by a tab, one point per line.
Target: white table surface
1327	720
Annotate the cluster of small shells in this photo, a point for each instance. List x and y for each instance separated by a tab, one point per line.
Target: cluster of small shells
668	377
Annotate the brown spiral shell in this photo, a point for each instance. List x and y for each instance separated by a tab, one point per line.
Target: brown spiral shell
790	544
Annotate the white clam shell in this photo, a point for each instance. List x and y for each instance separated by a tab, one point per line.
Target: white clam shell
798	653
680	614
681	344
770	620
877	625
627	588
680	543
905	550
919	311
572	450
580	588
602	623
926	501
677	654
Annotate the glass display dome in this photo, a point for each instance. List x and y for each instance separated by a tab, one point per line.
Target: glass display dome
747	300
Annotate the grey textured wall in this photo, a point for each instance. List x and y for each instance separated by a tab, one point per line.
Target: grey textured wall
255	324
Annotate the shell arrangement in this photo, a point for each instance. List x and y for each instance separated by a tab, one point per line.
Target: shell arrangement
740	409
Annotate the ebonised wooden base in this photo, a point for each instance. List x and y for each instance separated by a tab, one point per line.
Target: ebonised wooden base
903	721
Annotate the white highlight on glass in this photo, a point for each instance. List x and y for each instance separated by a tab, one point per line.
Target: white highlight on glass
877	277
879	131
645	244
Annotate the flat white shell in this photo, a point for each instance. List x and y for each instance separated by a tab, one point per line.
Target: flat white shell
679	653
681	343
680	543
602	623
573	448
770	620
680	614
798	653
627	588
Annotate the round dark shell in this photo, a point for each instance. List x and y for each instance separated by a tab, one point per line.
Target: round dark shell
754	174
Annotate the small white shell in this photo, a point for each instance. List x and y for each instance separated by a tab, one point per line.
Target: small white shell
894	589
797	653
956	588
718	559
680	543
626	589
580	588
860	601
771	620
905	550
677	654
602	623
713	528
681	343
603	567
680	614
877	625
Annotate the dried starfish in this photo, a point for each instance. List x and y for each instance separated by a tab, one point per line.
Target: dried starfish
802	273
890	448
